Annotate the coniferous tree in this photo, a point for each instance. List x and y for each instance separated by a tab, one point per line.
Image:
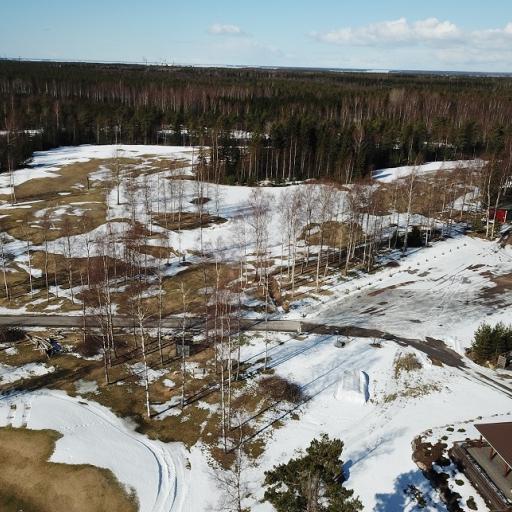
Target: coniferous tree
489	342
311	481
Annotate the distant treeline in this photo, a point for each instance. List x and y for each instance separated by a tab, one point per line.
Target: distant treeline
275	124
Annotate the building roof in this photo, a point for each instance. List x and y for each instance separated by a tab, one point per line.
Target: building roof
499	436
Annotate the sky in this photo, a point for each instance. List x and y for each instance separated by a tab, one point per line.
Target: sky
464	35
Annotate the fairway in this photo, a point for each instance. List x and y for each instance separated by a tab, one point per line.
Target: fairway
30	483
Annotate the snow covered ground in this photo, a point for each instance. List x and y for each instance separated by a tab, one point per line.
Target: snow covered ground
394	173
443	292
15	373
228	202
93	435
378	433
45	164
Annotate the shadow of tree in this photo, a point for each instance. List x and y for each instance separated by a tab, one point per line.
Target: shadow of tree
401	498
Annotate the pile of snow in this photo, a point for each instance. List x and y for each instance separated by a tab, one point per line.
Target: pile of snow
394	173
353	387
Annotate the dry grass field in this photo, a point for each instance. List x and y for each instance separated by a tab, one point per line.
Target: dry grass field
30	483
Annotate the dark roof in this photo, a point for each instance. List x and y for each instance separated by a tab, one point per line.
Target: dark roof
499	436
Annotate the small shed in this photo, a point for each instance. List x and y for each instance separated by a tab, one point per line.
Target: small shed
502	213
505	360
183	350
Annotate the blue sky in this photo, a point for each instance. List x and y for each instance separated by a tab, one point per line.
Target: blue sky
450	34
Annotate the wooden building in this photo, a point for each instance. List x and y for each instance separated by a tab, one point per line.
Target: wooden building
505	361
503	213
487	462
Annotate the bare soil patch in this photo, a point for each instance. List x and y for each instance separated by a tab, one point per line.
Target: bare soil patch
392	287
502	284
157	251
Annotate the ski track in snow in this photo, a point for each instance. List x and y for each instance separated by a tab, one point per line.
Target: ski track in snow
94	435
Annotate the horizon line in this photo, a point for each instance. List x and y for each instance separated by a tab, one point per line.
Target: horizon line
165	63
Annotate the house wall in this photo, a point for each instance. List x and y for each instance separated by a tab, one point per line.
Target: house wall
501	214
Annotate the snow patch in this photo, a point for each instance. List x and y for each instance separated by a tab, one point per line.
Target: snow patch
9	374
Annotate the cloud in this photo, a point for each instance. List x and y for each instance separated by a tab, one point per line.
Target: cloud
427	32
218	29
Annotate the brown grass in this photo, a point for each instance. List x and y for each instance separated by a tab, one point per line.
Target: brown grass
193	280
60	266
187	220
24	224
406	363
30	483
157	251
335	234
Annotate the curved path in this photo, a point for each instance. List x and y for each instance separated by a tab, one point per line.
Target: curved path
92	434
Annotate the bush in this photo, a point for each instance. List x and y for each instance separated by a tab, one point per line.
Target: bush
279	389
470	502
489	342
11	334
415	239
91	346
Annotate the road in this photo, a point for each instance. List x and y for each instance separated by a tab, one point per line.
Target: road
435	349
170	322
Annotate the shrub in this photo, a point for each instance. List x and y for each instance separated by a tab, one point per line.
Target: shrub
415	493
11	334
279	388
415	239
407	363
470	502
91	346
